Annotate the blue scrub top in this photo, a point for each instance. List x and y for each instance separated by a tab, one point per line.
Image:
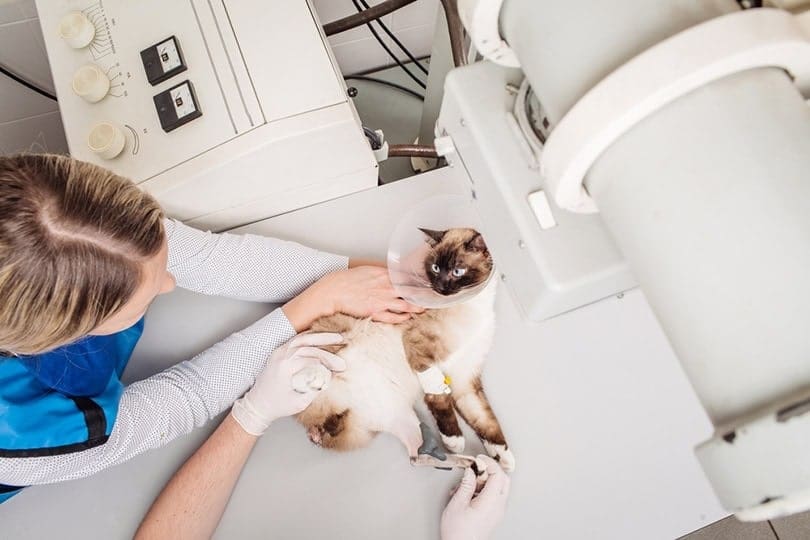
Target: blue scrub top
62	401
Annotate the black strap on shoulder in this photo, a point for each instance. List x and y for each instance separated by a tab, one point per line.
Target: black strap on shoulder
96	422
93	416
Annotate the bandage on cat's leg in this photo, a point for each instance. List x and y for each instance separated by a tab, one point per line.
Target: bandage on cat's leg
442	409
311	378
473	405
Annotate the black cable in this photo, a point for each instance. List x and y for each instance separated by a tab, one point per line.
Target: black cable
399	87
388	50
16	78
373	138
397	41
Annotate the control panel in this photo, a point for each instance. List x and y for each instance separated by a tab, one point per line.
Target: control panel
125	84
200	101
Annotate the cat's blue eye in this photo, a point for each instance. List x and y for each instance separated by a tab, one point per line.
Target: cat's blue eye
458	272
435	268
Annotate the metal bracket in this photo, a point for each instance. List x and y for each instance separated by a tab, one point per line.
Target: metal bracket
481	18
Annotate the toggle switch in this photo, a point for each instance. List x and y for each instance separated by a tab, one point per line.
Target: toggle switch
106	140
77	30
90	83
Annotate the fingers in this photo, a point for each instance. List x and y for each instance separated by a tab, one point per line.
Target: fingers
465	490
401	306
317	339
496	489
331	361
391	318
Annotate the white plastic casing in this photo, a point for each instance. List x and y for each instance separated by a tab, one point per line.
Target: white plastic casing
277	131
685	62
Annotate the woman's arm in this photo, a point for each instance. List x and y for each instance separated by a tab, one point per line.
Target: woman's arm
266	269
247	267
157	410
192	503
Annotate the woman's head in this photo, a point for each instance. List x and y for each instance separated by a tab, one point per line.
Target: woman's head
82	251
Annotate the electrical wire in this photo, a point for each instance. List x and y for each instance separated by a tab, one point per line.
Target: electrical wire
393	56
394	38
456	30
359	19
412	150
373	138
399	87
16	78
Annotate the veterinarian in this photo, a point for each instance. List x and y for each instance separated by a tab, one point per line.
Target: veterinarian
192	503
83	253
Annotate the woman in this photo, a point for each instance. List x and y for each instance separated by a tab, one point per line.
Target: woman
83	252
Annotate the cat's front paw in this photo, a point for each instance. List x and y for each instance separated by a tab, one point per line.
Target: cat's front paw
311	378
501	454
454	443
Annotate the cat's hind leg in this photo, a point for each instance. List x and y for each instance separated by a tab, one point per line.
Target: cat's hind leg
473	405
442	409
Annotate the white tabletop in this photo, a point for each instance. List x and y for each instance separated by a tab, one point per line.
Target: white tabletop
593	403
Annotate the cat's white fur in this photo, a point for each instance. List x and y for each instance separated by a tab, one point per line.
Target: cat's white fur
378	384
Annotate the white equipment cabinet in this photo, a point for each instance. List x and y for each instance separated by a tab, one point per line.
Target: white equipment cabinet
228	111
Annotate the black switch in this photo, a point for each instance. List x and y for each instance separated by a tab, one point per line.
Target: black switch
177	106
163	61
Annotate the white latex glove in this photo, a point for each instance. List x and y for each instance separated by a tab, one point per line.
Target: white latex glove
294	375
469	517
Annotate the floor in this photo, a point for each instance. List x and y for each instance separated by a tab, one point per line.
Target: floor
398	115
791	528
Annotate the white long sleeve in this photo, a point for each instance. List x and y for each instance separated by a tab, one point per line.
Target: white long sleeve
156	410
247	267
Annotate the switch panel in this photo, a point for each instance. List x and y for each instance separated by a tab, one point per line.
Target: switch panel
177	106
163	61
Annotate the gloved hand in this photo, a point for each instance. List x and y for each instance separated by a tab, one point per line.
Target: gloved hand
474	518
294	374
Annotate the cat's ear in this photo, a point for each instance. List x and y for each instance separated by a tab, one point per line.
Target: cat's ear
476	243
433	237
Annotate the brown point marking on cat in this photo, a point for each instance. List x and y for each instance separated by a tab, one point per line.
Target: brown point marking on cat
456	249
423	346
473	406
337	324
334	430
441	406
433	237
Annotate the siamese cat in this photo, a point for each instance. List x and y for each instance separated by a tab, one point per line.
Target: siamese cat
438	354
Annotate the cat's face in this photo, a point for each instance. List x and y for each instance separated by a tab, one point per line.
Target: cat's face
458	260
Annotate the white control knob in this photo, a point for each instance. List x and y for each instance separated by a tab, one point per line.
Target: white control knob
77	30
90	83
106	140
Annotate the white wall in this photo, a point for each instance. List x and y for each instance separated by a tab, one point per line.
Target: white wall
28	121
357	50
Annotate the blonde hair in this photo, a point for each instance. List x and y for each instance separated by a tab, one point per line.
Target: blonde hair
72	239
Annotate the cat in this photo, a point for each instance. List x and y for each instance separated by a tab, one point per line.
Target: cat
387	363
